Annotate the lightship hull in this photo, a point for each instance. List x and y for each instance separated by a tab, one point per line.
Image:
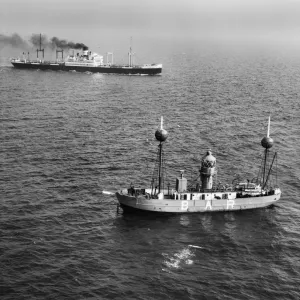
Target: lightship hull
113	69
132	203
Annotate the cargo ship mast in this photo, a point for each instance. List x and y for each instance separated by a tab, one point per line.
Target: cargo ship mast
59	51
40	50
130	54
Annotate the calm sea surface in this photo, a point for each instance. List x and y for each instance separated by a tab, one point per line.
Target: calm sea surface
65	137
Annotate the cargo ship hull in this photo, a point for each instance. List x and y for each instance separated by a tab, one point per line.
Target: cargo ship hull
113	69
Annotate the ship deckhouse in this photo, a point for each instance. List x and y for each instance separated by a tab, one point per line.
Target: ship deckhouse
86	58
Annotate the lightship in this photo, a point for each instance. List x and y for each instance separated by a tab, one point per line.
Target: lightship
204	195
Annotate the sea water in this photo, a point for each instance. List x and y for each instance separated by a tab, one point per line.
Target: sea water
67	136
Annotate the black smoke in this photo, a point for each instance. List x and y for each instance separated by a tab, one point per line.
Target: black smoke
63	44
13	40
54	42
35	40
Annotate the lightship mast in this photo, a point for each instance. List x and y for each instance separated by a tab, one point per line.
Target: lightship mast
161	135
267	143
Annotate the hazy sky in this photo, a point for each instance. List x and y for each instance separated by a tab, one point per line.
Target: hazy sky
110	23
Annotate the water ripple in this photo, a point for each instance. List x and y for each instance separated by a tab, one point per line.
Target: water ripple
67	136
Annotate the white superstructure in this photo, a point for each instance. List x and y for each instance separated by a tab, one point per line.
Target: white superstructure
87	58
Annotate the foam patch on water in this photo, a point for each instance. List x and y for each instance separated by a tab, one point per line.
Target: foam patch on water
179	259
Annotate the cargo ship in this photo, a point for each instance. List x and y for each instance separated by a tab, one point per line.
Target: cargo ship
87	61
203	194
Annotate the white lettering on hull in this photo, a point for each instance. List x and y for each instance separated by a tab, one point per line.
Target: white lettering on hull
208	205
230	204
184	205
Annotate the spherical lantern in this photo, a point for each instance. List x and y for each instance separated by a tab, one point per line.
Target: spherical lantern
267	142
161	135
